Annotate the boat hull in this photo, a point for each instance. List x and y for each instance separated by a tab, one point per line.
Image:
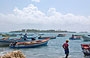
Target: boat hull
86	49
61	35
8	41
30	46
74	38
46	37
37	43
4	44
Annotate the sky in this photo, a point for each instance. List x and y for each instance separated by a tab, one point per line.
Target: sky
70	15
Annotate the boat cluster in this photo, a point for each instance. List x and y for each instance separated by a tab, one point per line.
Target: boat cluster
25	41
32	40
85	46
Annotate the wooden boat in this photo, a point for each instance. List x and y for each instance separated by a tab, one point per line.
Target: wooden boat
61	35
4	42
86	49
51	37
75	37
7	41
30	44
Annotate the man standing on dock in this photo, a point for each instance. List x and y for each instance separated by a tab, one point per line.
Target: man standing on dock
66	49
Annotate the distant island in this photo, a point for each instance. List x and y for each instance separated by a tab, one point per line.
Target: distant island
34	30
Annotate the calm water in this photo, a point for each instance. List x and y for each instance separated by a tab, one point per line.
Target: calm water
53	49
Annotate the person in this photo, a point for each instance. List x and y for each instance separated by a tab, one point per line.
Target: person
66	48
25	37
13	43
33	39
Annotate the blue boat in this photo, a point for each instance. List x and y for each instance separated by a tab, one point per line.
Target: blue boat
75	37
5	41
30	44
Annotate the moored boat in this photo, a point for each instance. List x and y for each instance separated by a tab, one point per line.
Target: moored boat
30	44
7	41
61	35
86	38
86	49
51	37
75	37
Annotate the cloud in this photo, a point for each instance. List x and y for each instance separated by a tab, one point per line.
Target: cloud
36	0
31	17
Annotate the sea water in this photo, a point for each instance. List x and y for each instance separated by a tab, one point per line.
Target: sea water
53	49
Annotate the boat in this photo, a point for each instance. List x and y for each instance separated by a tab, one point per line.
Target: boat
43	37
7	41
30	44
61	35
75	37
4	42
86	38
86	49
40	34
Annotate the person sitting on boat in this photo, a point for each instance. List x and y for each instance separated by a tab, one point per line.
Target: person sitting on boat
25	37
72	37
13	43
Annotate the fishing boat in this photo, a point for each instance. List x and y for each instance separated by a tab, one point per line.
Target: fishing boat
86	49
43	37
86	38
7	41
61	35
4	42
75	37
30	44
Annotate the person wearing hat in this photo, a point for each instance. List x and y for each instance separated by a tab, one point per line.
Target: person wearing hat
66	48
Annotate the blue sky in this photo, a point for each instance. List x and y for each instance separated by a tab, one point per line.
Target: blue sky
78	7
72	15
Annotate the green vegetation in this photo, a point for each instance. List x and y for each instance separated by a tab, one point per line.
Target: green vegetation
34	30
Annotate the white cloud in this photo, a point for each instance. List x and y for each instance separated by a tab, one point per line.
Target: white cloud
31	17
36	0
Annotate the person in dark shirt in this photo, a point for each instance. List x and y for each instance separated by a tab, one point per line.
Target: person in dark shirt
13	44
66	49
25	37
